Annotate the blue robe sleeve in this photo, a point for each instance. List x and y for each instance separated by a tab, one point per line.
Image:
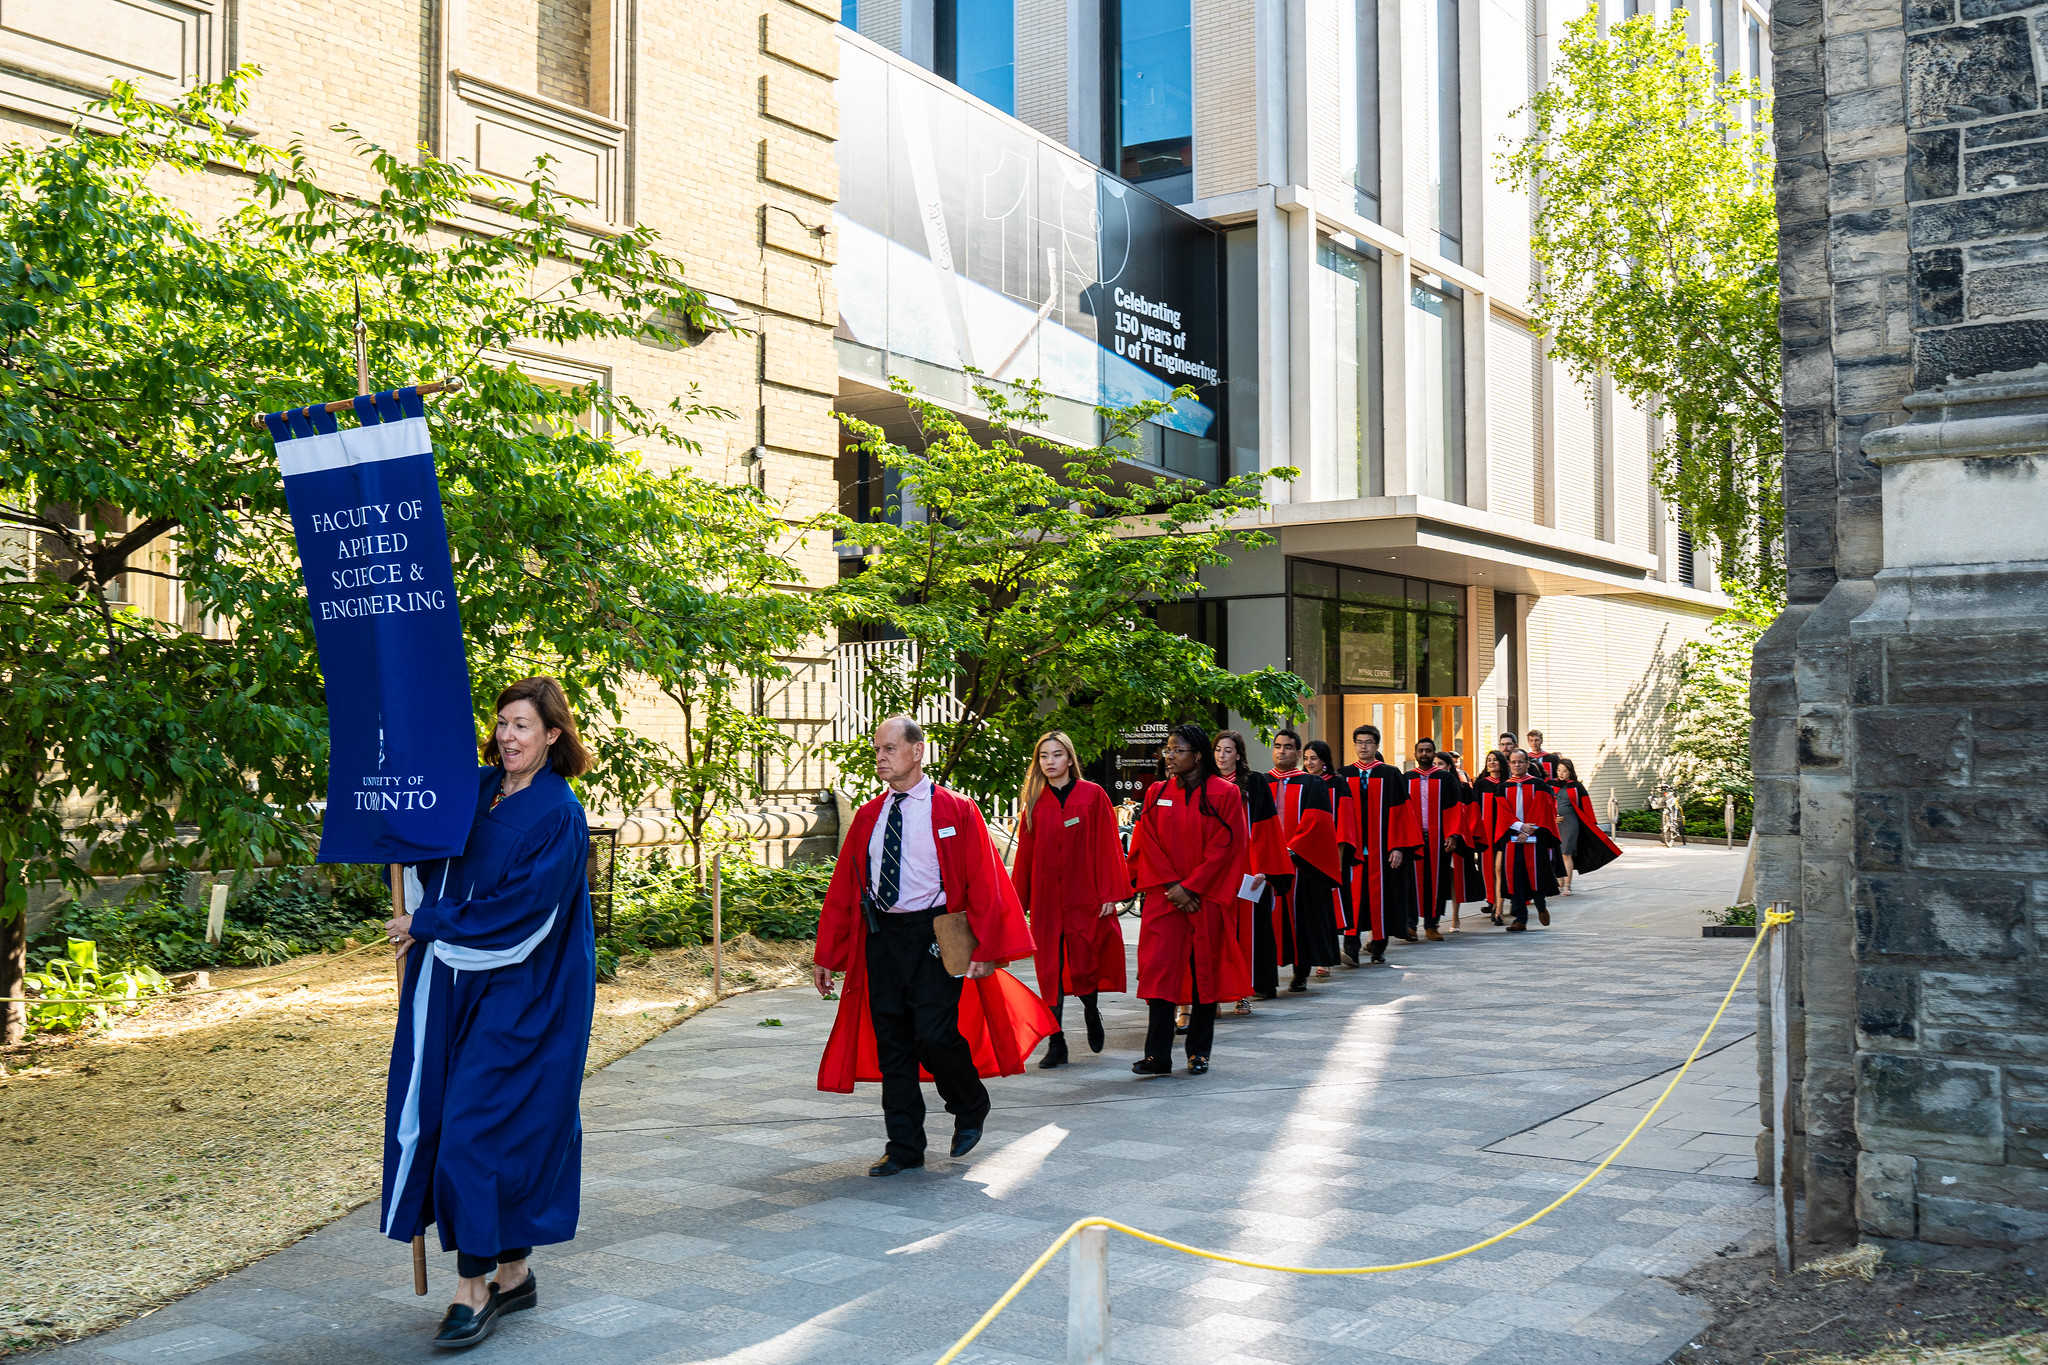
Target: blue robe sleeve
543	875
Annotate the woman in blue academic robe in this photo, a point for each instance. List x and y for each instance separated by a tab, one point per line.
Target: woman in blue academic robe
481	1129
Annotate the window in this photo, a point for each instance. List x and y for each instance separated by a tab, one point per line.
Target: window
1436	387
1446	156
1720	12
849	14
1358	632
1685	564
976	43
1345	402
1154	99
1358	100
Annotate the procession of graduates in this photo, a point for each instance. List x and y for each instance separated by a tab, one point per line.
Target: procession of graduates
1310	866
1238	874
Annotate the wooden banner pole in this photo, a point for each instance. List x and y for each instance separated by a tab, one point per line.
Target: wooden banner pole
453	384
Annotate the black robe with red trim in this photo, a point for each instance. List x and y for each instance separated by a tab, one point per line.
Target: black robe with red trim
1305	918
1436	797
1594	849
1528	801
1376	821
1265	855
1481	798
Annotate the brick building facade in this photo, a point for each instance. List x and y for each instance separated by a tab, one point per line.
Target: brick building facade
1897	701
712	123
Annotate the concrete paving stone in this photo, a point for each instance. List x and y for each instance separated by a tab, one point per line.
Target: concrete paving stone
1383	1117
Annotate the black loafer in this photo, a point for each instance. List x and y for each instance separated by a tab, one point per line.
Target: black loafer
964	1140
463	1326
1055	1052
1149	1066
1266	994
527	1295
1198	1066
1092	1016
889	1165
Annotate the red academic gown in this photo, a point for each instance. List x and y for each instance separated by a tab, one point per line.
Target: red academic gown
1198	839
1374	820
1305	918
1000	1017
1527	801
1069	862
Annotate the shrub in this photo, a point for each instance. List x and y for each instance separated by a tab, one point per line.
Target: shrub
658	904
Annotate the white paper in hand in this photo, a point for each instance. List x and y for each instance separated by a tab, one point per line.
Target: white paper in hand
1248	888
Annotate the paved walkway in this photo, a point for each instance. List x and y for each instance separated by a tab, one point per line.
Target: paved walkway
1390	1114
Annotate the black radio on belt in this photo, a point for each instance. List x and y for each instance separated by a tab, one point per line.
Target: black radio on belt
871	906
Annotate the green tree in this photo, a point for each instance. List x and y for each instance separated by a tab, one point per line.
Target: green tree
1027	580
1709	707
135	343
1656	235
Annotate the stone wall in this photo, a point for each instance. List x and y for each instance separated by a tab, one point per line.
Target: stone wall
1898	807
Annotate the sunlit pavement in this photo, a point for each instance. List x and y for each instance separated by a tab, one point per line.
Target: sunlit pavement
1391	1114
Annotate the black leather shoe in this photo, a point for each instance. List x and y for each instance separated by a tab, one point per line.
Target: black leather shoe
1151	1066
964	1140
462	1326
1055	1052
527	1295
1198	1066
1091	1014
1298	986
1266	995
889	1165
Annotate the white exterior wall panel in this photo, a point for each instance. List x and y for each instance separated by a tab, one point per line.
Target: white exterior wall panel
1600	672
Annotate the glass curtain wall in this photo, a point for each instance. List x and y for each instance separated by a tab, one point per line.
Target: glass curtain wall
1436	387
1446	147
1358	101
1153	100
976	43
1345	403
1241	348
1357	632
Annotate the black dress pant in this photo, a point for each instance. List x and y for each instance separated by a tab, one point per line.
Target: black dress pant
1265	952
1159	1028
915	1008
476	1267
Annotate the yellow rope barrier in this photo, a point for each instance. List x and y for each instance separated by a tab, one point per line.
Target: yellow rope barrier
182	995
1770	921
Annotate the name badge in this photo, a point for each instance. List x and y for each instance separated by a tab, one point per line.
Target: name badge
946	833
1073	822
1162	802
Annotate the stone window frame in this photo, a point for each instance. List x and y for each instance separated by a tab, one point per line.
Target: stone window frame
54	80
605	132
558	371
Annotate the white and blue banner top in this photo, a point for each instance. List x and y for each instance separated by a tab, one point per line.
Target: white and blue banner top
366	508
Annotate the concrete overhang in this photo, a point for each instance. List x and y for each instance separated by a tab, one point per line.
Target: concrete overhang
1427	538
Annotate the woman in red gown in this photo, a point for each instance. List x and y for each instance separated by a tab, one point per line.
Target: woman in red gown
1070	875
1265	856
1485	792
1187	856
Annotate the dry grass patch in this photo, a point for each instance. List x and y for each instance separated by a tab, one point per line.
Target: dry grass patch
149	1158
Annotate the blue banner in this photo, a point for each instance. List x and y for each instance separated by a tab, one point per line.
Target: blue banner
401	777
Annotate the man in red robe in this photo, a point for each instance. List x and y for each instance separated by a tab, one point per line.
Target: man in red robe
1379	829
1524	827
1305	903
915	852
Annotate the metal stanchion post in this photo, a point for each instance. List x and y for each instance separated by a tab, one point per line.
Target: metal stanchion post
718	926
1781	1094
1728	817
1088	1298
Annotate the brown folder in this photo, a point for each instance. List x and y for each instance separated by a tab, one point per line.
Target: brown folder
956	942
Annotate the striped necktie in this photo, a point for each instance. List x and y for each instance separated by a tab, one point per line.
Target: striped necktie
890	882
